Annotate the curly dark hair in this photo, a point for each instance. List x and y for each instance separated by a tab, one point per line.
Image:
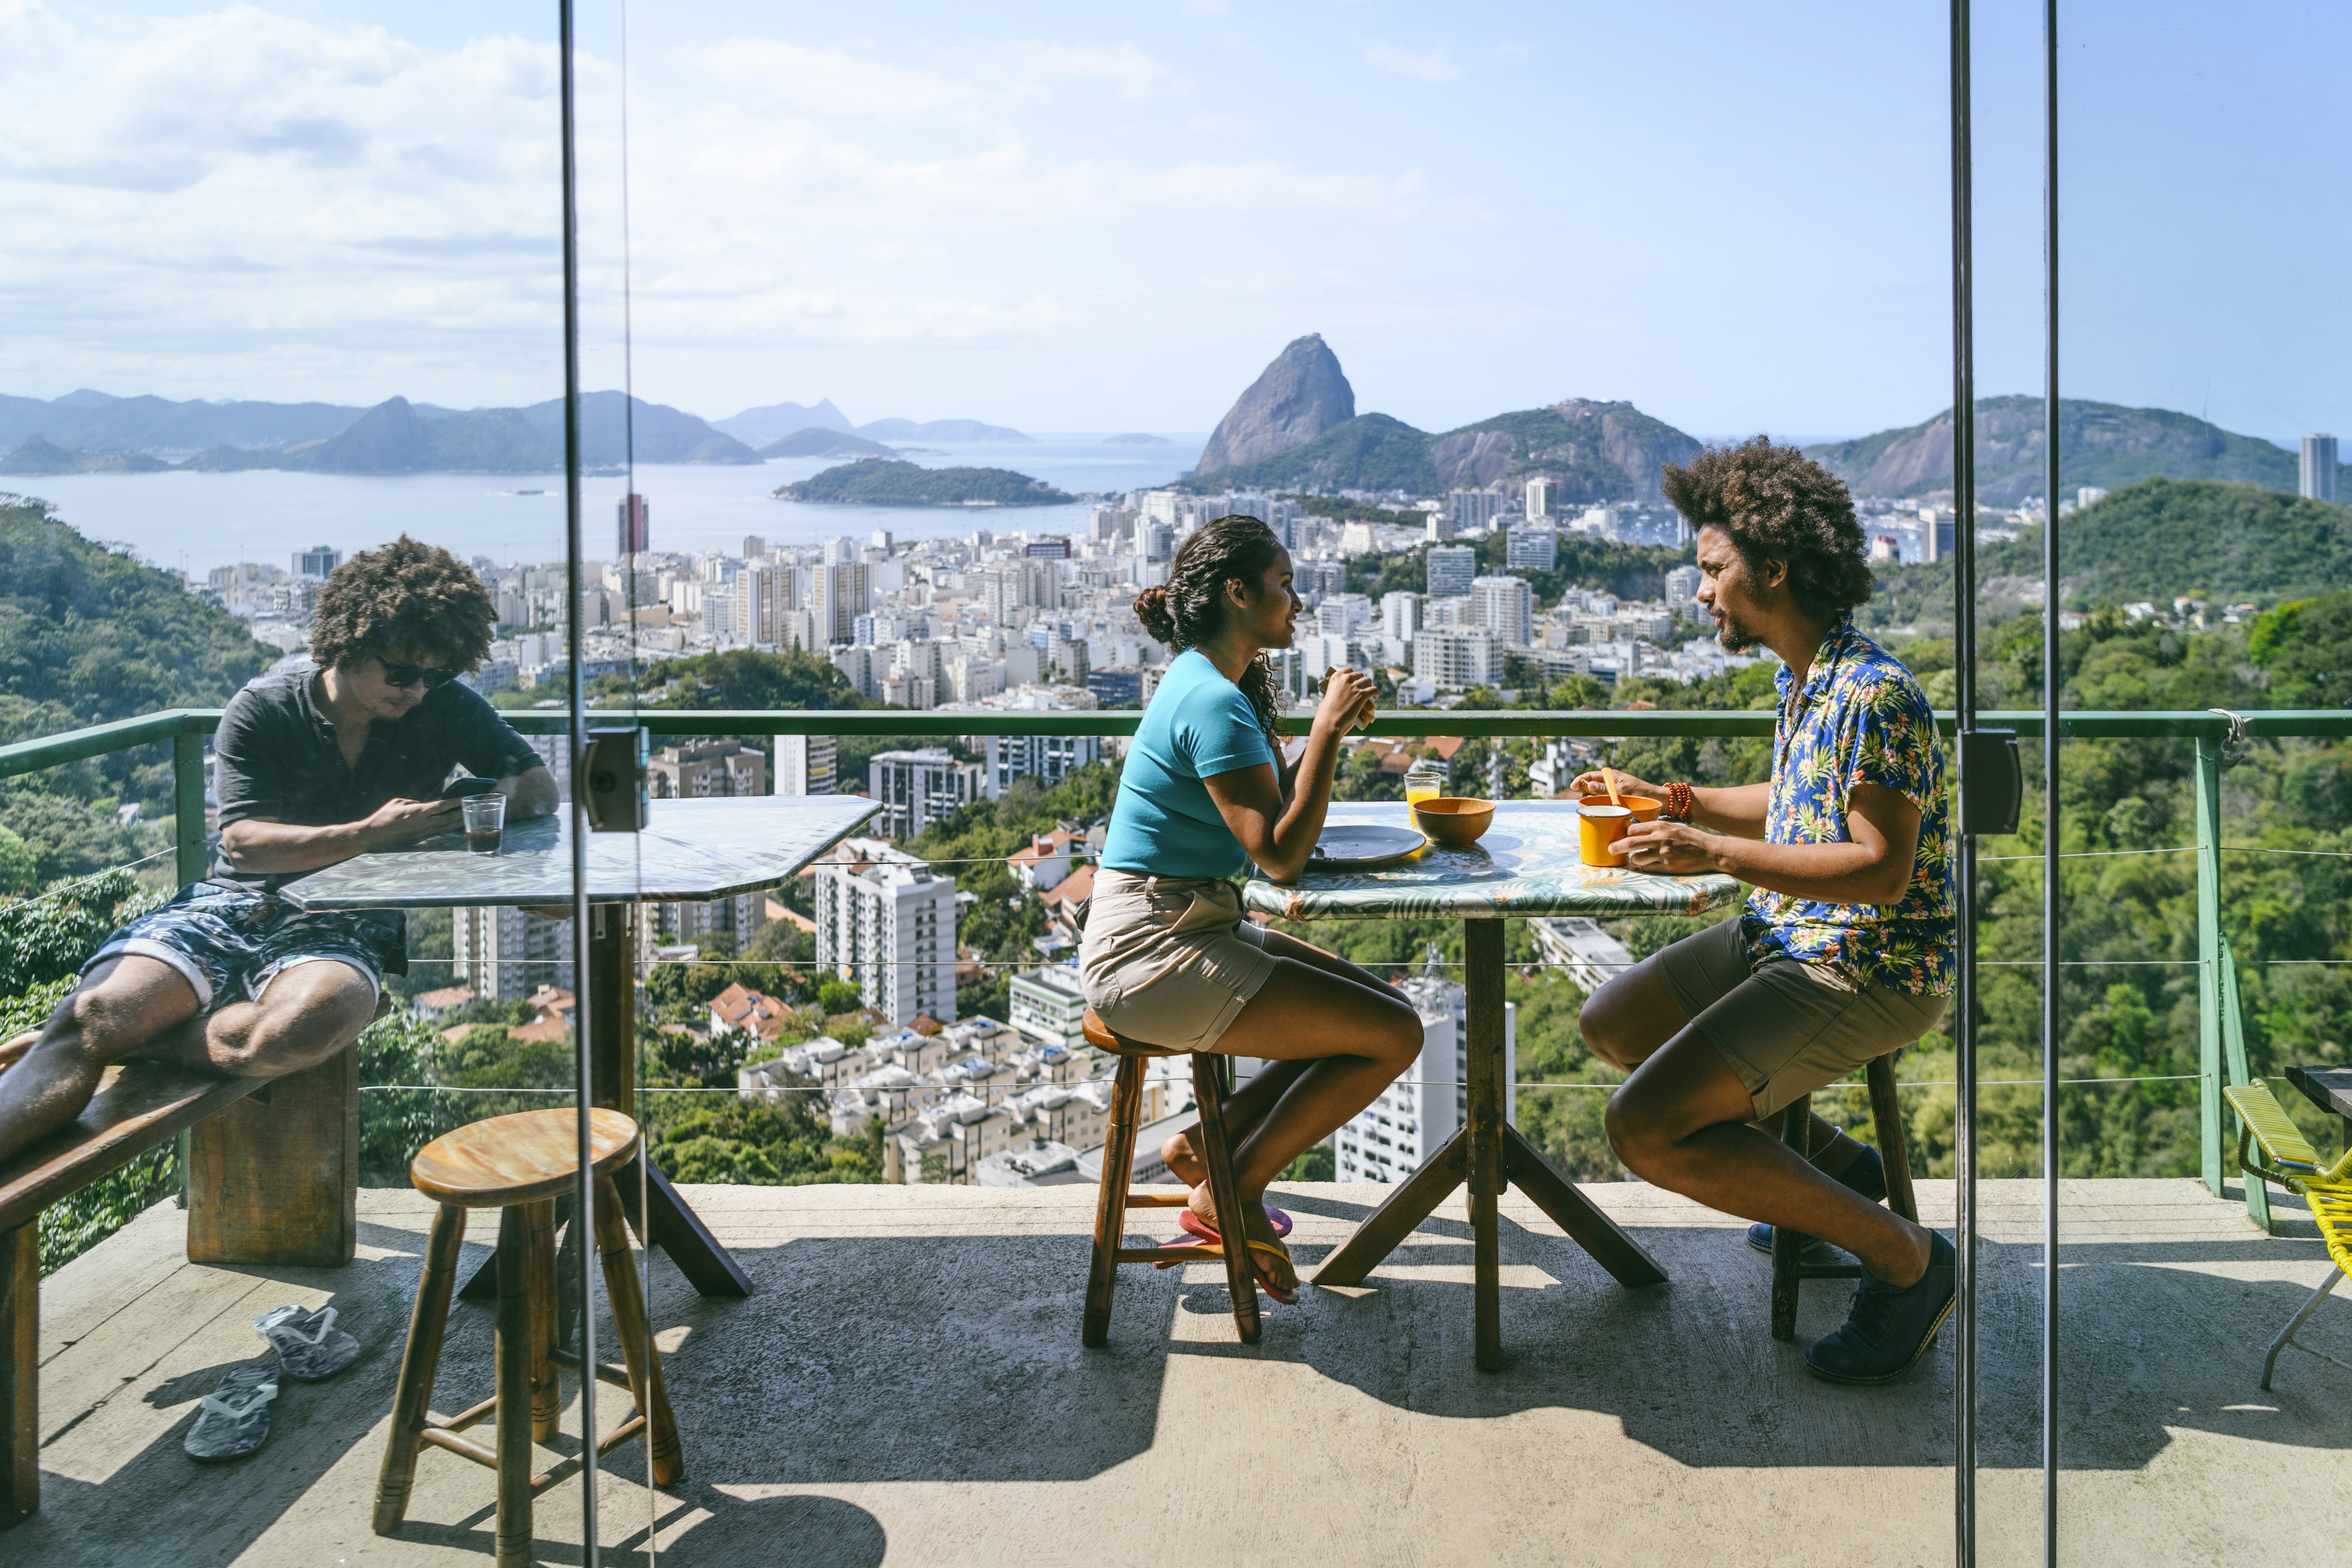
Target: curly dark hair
1191	608
418	598
1779	505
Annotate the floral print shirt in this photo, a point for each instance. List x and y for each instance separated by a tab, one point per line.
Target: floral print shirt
1861	719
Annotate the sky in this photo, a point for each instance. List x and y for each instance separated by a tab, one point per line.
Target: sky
1101	217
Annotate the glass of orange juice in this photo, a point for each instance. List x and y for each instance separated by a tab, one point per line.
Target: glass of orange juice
1425	780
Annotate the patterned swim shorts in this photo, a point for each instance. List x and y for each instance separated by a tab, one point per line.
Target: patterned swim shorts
229	943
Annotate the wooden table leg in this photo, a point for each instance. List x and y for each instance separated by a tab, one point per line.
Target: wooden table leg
1397	1217
1482	984
20	1371
275	1178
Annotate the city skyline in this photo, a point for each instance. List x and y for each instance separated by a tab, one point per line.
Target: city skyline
1111	223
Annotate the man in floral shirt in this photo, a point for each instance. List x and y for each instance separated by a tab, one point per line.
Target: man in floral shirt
1844	953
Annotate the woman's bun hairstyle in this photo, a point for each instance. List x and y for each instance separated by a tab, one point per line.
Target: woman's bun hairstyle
1152	609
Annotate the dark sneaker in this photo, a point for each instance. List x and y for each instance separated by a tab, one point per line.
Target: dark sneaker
1865	1175
1888	1329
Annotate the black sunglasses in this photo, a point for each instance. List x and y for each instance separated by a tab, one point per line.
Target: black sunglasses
432	680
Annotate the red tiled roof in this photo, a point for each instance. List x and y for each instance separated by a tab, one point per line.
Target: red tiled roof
448	996
1074	887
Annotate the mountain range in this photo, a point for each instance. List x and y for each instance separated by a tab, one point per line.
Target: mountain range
1295	428
93	432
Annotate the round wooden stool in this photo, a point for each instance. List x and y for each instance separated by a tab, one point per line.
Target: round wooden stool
1790	1269
519	1165
1114	1198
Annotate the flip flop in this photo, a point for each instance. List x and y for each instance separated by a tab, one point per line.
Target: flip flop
308	1345
1199	1228
1193	1222
234	1419
1184	1250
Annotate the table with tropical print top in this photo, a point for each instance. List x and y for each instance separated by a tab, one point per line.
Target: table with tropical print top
1527	864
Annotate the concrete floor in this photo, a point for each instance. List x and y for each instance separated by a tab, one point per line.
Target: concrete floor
907	1386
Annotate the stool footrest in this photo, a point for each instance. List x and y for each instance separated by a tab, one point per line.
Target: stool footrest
606	1372
465	1418
1170	1254
1158	1200
442	1438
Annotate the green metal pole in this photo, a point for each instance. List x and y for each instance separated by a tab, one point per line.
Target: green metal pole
2208	955
188	804
2233	1060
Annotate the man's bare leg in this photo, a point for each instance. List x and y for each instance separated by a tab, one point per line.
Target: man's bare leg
1627	1020
135	1006
121	1005
1681	1122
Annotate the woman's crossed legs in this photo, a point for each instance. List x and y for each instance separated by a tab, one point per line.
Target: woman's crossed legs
1333	1036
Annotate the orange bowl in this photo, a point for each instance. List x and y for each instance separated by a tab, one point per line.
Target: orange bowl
1453	820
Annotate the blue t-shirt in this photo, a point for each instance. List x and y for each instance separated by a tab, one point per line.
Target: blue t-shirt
1163	823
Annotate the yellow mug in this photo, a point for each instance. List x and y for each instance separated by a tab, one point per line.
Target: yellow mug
1600	824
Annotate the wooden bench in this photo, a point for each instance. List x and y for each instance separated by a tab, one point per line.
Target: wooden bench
273	1168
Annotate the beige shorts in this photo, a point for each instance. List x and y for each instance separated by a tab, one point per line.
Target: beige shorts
1787	1027
1169	961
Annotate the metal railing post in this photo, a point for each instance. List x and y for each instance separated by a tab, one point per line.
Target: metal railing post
2209	960
188	806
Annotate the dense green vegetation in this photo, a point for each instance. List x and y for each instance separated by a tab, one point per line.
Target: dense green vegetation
883	481
89	634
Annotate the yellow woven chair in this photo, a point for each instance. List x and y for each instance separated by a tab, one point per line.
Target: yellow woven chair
2289	1160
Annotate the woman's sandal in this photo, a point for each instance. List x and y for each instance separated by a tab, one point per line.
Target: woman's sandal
234	1419
308	1345
1206	1239
1275	1216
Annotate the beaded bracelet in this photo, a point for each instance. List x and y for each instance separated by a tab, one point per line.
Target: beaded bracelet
1678	803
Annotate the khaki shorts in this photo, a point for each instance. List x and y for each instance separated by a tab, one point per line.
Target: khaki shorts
1169	961
1786	1027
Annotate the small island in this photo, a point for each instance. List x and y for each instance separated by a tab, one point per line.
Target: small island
1137	438
876	481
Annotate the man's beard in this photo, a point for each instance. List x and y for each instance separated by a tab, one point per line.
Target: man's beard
1734	635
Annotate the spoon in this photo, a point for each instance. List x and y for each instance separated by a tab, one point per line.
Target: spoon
1609	775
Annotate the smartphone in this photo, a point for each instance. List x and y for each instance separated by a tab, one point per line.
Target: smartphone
458	789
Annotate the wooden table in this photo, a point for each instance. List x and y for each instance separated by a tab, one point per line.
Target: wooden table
690	850
1526	866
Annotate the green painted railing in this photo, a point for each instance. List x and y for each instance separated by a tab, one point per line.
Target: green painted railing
2222	1051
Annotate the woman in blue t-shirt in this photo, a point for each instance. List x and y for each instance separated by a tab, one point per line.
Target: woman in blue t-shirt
1167	958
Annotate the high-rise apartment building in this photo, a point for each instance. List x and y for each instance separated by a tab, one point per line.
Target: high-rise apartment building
702	770
755	548
1392	1137
1458	658
804	764
885	922
761	606
861	667
318	564
1343	615
1400	614
506	954
917	788
1048	759
1451	569
1539	497
2318	477
840	592
1682	586
1473	511
636	525
1532	545
1505	607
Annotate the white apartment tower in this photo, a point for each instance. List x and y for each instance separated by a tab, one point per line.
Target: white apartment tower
1399	615
1532	546
1455	657
886	922
839	593
2319	481
917	788
1539	496
804	764
1505	607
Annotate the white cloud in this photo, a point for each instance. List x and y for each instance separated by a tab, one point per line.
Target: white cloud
1434	64
223	198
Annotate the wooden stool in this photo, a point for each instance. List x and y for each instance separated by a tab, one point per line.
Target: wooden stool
1788	1267
1119	1168
519	1165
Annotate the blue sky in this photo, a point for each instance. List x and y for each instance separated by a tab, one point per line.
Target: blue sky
1091	217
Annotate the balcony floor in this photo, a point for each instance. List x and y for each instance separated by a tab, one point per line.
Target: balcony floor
908	1385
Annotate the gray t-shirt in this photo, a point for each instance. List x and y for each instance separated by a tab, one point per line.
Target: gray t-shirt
275	756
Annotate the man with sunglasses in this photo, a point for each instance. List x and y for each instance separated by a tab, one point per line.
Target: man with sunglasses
313	765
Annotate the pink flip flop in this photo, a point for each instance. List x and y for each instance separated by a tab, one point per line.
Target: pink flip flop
1193	1222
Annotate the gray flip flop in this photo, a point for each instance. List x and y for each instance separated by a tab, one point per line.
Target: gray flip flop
308	1345
234	1419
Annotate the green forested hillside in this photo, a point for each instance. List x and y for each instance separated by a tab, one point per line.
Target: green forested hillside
89	634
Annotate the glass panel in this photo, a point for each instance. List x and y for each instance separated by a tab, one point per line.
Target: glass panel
303	264
2184	131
